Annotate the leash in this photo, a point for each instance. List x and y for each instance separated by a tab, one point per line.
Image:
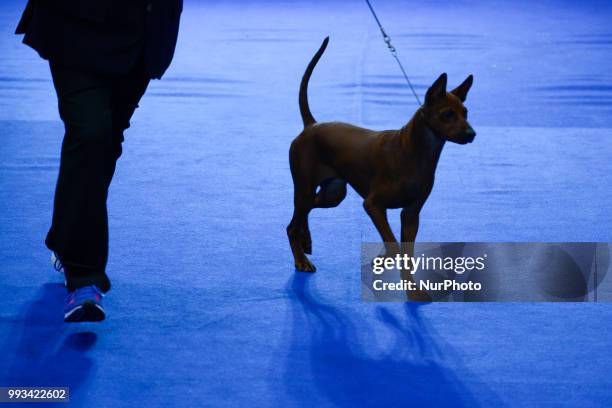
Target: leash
393	51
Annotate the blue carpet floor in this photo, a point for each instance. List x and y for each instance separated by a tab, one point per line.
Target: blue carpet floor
206	309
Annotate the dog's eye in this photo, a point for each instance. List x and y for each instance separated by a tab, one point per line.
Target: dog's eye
448	114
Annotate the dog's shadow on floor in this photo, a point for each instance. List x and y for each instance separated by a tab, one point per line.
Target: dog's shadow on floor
45	351
327	358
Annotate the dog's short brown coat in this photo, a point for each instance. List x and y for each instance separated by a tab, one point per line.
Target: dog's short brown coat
389	169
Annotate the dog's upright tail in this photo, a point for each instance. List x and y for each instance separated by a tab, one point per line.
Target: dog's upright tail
307	117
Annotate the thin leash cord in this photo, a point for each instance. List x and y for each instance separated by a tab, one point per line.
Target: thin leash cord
393	51
595	283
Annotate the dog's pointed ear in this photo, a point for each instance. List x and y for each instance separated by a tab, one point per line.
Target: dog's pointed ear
436	90
462	90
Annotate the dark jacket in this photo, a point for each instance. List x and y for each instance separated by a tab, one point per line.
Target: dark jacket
103	36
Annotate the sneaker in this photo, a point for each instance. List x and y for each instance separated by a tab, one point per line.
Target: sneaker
84	305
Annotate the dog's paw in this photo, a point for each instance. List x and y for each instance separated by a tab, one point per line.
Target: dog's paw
305	266
418	296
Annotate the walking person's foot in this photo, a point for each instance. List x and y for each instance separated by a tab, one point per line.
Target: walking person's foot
84	305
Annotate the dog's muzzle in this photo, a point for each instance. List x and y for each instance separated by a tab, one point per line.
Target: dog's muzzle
468	135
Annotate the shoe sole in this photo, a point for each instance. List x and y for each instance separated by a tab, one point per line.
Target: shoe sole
87	312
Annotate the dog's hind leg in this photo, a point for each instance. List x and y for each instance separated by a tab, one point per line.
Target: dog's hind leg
331	193
306	238
303	202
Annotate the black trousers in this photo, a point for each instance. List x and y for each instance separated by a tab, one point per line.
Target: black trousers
95	111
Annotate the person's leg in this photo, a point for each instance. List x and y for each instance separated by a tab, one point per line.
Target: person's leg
127	92
95	110
79	229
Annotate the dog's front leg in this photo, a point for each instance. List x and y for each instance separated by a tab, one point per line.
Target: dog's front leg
378	215
410	227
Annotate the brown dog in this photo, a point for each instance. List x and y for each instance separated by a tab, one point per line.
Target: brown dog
389	169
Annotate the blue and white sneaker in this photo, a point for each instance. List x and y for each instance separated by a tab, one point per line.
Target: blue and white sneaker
84	305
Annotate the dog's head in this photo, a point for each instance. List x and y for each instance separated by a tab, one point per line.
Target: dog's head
444	111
